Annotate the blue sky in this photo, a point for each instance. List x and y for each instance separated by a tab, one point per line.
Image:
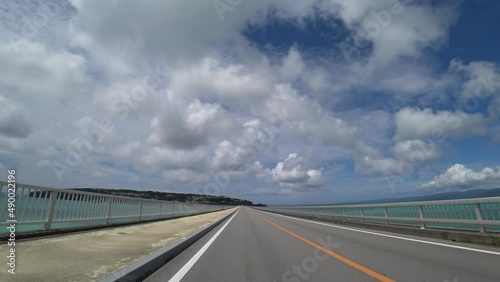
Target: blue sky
280	102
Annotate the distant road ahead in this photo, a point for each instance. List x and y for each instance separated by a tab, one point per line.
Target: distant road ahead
259	247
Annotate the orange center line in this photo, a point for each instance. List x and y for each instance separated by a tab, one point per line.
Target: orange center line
347	261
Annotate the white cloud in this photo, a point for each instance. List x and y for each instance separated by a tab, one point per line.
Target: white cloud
393	27
458	176
131	97
389	43
216	102
242	159
481	82
233	158
403	36
14	120
156	25
293	65
190	126
297	171
482	78
37	71
407	156
371	160
417	151
234	85
412	123
185	175
127	151
259	136
299	115
161	158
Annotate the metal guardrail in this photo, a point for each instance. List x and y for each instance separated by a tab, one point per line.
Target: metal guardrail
43	208
481	214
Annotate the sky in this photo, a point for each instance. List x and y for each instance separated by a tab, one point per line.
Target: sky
274	101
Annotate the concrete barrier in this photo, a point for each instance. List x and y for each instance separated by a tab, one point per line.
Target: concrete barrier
490	239
143	268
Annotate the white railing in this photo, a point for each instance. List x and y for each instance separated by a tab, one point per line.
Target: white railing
42	208
481	214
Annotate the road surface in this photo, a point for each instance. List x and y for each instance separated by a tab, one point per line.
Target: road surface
259	246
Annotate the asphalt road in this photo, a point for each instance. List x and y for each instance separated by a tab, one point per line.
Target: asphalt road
259	246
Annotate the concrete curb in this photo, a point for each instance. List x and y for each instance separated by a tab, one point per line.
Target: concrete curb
488	239
142	269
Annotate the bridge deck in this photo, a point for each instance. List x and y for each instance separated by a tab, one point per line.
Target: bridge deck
254	245
89	256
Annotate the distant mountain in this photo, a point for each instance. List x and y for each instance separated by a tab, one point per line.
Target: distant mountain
169	196
476	193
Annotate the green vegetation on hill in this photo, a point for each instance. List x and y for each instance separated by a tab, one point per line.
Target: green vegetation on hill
169	196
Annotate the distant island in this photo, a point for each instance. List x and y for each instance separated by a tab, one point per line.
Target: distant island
170	196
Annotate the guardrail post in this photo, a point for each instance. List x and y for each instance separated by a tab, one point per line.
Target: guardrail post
478	216
173	209
421	214
51	210
343	212
140	211
159	213
362	214
110	206
385	215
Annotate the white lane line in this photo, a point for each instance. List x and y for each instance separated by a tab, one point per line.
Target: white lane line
392	236
184	270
